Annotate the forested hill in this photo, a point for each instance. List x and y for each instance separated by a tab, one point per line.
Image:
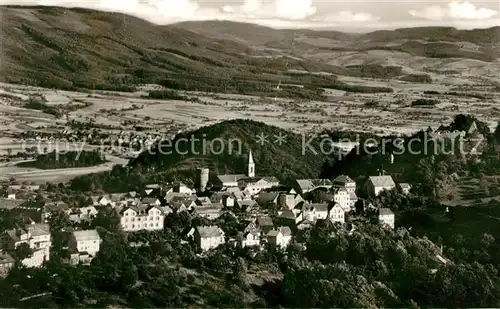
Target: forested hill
87	49
287	161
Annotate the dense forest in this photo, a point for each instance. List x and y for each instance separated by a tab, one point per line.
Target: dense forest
70	159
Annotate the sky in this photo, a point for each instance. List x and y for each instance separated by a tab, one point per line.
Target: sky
353	15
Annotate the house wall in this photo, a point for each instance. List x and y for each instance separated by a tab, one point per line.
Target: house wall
131	222
91	246
207	243
387	219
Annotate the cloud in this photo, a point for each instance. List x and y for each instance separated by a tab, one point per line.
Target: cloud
454	11
294	9
356	15
348	17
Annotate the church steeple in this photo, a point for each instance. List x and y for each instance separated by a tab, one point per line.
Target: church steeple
251	165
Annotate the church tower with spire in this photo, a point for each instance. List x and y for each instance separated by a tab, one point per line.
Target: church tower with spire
251	165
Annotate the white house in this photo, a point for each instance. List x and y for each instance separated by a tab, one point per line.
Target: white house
343	198
405	188
337	214
142	217
286	201
6	263
37	237
280	237
313	212
377	184
87	241
209	237
386	217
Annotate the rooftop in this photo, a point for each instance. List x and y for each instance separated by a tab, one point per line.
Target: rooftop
382	181
385	211
86	235
209	231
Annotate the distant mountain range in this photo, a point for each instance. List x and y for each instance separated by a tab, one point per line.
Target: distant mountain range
80	48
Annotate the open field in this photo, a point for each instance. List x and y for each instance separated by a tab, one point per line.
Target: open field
37	176
391	112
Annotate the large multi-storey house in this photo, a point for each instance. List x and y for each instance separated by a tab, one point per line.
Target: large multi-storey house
36	236
86	244
142	217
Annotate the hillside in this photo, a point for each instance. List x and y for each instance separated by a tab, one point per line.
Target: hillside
433	42
286	162
167	162
80	48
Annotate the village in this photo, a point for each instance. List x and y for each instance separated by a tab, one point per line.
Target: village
272	215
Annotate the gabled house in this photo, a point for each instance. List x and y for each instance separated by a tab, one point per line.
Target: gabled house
228	200
280	237
211	211
386	217
36	236
86	244
345	182
209	237
342	197
6	263
336	214
313	212
377	184
286	201
405	188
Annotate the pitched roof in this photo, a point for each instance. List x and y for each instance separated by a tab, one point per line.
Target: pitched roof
385	211
405	185
231	178
38	229
149	200
10	204
209	231
307	184
86	235
265	221
382	181
342	179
